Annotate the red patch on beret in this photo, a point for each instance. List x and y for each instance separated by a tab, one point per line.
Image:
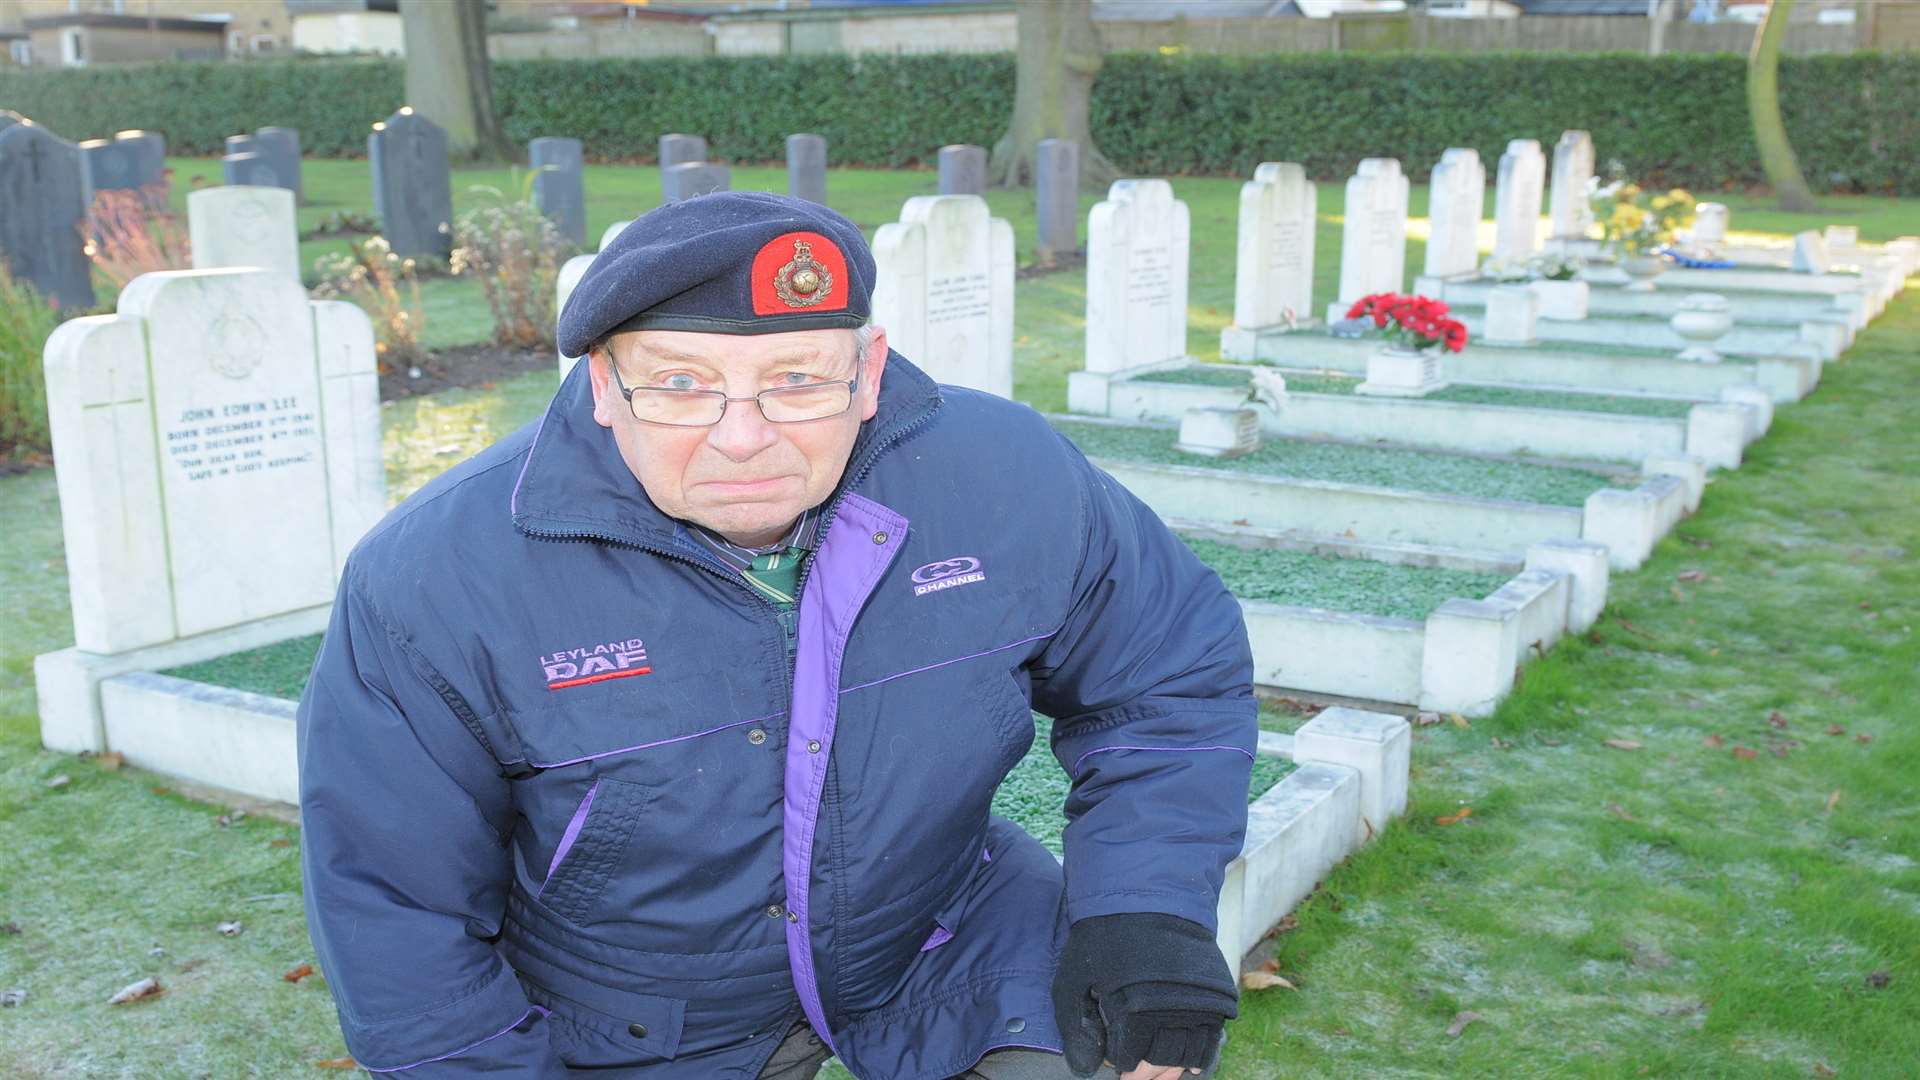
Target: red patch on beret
800	272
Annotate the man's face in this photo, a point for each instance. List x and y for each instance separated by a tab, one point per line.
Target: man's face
745	478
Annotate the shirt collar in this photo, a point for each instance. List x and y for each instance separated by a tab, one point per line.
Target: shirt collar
740	557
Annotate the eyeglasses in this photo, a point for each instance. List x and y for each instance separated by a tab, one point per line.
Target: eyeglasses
705	408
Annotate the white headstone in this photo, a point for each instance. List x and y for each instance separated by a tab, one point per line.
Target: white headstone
1810	253
1373	241
1457	192
564	282
1710	223
1837	236
1137	243
1516	207
1572	168
1513	313
1273	282
244	226
1219	431
219	448
943	289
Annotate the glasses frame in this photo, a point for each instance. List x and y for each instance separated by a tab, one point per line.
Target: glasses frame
852	385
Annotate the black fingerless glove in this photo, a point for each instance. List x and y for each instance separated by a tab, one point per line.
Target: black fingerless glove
1142	987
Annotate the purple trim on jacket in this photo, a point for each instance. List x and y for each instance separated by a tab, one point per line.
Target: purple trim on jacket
940	936
944	663
567	838
513	500
531	1009
651	745
858	547
1183	749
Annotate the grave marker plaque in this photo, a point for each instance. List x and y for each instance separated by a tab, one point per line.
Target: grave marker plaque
944	290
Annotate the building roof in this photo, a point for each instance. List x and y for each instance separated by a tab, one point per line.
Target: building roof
1637	8
297	8
211	24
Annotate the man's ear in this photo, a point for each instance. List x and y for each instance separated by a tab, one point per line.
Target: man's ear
605	398
873	365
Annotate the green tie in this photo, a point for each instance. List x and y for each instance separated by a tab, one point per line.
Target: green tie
777	575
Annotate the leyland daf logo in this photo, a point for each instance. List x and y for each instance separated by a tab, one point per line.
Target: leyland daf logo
595	663
946	574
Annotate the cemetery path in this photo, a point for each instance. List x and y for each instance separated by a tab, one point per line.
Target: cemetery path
1729	889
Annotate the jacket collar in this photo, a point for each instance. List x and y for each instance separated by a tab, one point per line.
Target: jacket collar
573	481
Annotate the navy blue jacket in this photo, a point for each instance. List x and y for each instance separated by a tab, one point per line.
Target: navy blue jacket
567	805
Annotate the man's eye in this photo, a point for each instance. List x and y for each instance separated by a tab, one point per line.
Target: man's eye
796	378
681	381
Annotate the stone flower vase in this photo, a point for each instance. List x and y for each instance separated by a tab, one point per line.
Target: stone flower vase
1397	371
1642	269
1702	319
1562	301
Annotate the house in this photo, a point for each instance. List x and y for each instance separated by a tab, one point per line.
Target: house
79	32
346	26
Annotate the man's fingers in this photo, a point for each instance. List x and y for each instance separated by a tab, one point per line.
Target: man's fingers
1148	1071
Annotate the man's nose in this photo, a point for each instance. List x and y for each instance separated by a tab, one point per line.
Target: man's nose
742	432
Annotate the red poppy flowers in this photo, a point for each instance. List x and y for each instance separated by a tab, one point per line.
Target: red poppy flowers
1419	322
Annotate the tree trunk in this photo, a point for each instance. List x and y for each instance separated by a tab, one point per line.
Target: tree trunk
1059	54
1763	103
449	80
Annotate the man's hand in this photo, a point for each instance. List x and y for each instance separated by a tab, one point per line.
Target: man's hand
1139	988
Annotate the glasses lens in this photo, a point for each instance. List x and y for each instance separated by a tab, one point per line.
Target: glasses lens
683	408
790	404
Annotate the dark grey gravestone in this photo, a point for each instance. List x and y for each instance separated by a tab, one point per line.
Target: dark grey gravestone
281	145
41	214
807	168
240	144
150	154
251	169
690	178
412	184
1056	197
107	165
963	170
679	149
559	187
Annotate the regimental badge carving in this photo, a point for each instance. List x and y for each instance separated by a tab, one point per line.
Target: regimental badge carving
802	282
235	344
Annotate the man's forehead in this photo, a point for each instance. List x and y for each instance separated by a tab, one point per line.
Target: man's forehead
721	350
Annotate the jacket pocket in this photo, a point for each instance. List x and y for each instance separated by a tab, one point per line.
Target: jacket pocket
593	847
997	701
616	1028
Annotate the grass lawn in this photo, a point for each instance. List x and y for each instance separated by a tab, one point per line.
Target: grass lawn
1673	910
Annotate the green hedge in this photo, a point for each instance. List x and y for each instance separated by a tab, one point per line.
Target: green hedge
1854	119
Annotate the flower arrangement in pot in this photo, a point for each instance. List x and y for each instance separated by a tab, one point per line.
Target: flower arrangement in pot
1417	330
1556	281
1638	224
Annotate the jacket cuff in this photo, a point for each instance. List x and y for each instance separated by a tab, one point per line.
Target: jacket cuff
495	1022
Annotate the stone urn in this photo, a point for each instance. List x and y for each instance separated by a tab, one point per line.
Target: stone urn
1400	372
1219	431
1702	319
1641	270
1562	301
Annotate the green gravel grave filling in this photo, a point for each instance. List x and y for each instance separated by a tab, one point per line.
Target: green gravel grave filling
1304	579
278	670
1332	383
1034	794
1412	470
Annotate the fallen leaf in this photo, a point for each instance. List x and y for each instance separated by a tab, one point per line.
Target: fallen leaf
1264	980
1288	924
229	929
9	928
1713	651
1836	729
1426	719
139	991
1623	744
223	821
1501	744
1822	1070
10	998
1879	980
1865	606
298	973
337	1063
110	760
1776	720
60	781
1458	720
1619	811
1693	575
1863	738
1833	800
1782	749
1240	521
158	790
1713	741
1455	818
1632	629
1745	754
1460	1022
282	842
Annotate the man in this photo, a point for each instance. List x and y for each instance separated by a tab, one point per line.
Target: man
657	740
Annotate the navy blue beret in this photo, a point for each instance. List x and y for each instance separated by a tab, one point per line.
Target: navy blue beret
733	262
